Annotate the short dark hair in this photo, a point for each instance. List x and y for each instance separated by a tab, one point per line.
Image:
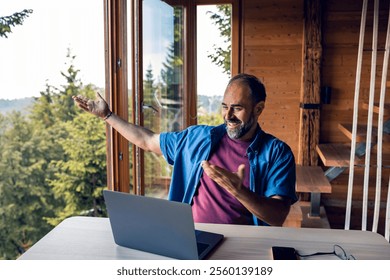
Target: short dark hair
256	87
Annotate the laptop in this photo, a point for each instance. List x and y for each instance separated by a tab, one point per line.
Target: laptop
157	226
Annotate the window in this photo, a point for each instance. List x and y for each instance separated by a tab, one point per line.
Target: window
162	97
152	77
213	60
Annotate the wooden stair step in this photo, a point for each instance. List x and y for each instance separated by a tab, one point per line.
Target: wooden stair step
361	132
338	155
334	154
311	179
386	108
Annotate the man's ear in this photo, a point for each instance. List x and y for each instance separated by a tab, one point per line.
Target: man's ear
259	107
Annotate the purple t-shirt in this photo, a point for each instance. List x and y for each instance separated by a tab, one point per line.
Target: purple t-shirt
212	203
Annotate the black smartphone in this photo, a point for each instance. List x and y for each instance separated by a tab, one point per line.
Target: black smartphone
284	253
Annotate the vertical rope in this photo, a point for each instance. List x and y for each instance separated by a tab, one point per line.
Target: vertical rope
355	116
370	115
380	133
387	219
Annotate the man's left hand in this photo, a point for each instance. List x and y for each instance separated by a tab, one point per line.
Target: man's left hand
231	181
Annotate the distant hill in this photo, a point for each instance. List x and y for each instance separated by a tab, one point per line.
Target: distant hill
207	104
19	105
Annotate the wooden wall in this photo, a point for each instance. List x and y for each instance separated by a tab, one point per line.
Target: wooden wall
272	50
340	47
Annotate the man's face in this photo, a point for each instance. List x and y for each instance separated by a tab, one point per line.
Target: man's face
239	112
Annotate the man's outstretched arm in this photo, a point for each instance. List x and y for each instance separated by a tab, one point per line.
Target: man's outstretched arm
137	135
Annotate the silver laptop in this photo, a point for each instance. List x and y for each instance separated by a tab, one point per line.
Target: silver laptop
157	226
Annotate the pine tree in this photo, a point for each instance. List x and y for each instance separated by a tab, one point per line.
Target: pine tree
15	19
78	169
52	165
222	54
25	198
81	174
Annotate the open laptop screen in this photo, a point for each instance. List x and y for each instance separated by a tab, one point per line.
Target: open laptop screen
156	225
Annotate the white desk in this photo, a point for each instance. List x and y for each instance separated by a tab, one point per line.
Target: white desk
88	238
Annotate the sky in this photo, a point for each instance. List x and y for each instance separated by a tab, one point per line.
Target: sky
211	80
34	54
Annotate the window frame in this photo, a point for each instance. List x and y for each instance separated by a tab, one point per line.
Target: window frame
116	72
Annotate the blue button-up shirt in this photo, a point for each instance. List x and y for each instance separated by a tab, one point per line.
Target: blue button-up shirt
272	163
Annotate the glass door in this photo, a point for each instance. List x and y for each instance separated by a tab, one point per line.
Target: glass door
160	101
170	90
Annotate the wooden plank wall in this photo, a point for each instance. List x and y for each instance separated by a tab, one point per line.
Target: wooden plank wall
272	50
340	50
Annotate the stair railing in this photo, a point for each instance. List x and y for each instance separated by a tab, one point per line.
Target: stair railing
380	140
355	115
379	164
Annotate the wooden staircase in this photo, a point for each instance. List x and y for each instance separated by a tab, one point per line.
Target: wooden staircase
336	156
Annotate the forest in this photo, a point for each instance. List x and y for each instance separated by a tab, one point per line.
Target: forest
53	165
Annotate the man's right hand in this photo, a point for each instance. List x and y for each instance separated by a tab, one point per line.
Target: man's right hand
135	134
98	107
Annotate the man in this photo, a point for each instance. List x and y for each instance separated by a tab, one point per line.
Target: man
231	173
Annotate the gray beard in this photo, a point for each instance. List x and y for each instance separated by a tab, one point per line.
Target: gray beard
240	131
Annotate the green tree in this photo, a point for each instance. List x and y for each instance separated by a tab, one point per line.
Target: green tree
56	104
52	165
78	170
152	120
81	174
7	22
210	119
171	74
222	54
25	198
171	85
149	106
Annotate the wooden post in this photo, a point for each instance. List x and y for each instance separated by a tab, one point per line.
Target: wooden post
116	57
311	84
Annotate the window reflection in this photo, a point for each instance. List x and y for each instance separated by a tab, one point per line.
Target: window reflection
163	83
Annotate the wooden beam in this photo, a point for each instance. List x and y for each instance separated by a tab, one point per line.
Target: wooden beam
116	92
190	76
311	84
237	38
138	94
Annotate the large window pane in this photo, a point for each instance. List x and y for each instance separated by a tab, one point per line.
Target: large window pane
213	60
163	83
